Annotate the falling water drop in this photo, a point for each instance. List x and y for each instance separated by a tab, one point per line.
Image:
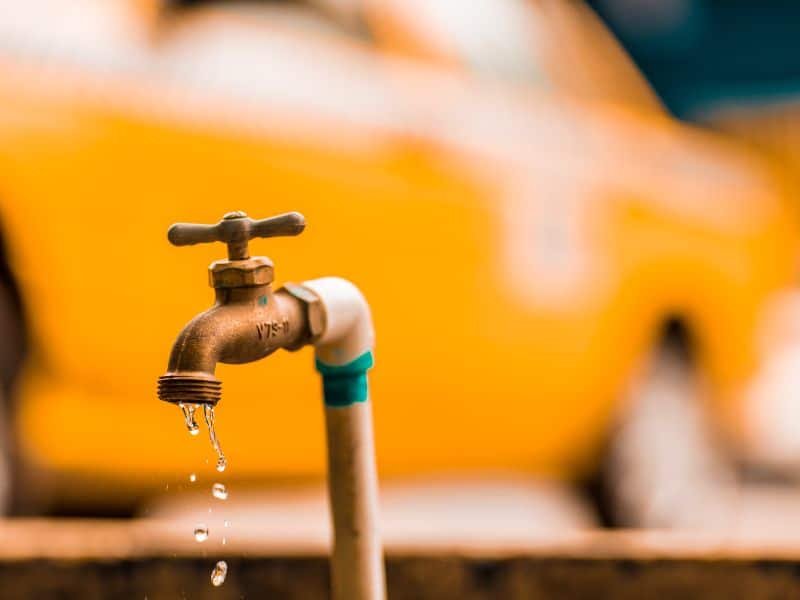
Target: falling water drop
192	477
224	541
219	573
219	491
208	413
226	523
188	417
201	532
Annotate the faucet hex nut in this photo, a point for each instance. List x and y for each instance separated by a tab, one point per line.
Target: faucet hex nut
257	270
314	308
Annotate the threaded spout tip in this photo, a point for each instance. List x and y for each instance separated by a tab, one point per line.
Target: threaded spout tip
189	389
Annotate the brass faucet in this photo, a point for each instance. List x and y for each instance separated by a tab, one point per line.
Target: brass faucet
248	322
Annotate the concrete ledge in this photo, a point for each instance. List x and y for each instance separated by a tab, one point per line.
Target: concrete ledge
155	559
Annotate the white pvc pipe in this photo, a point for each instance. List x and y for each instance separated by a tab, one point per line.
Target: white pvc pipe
345	346
348	322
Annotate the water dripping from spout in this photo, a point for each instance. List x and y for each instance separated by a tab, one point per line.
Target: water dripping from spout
208	413
218	490
188	417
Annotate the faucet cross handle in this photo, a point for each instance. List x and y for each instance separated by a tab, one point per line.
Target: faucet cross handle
236	229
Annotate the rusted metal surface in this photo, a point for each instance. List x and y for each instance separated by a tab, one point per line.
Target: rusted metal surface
248	320
134	559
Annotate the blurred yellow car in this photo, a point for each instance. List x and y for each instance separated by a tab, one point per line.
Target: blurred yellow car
521	241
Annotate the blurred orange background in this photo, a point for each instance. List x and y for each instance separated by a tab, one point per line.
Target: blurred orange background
522	239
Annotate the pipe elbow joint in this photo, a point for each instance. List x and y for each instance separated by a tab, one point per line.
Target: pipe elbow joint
344	348
348	331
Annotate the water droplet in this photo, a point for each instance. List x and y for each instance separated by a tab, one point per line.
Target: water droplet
227	523
188	417
192	477
219	491
224	541
219	573
221	464
201	532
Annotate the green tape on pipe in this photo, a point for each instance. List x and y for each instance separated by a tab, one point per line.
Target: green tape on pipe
344	385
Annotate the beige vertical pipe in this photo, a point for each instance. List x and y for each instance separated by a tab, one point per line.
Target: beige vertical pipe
357	562
357	559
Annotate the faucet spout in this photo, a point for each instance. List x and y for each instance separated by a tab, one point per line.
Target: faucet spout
244	325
